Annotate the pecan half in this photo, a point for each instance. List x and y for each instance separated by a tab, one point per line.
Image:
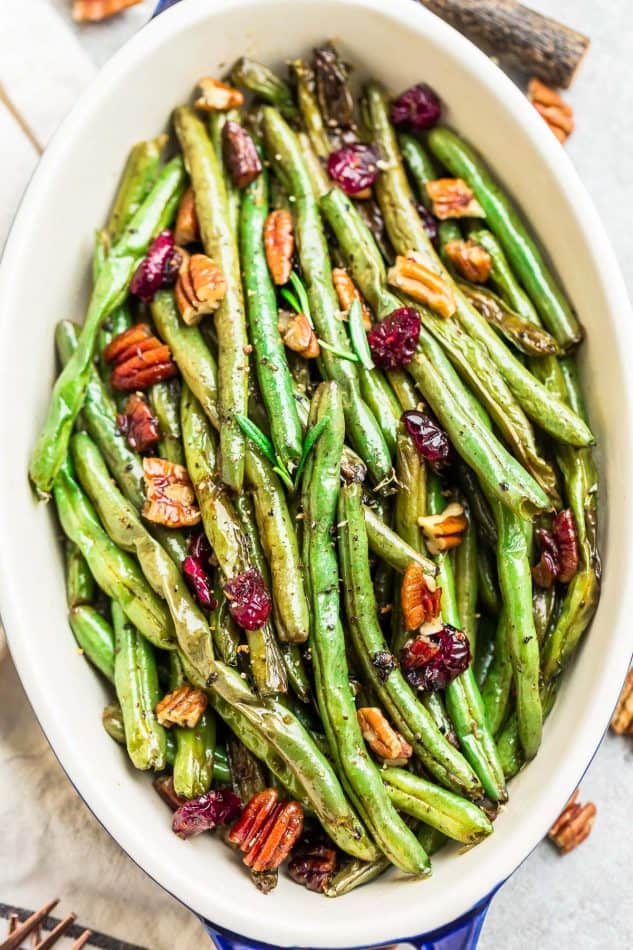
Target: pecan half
138	423
558	114
267	830
566	537
186	228
573	825
217	96
547	568
381	737
313	862
298	334
240	155
412	275
139	358
347	292
200	288
453	198
182	707
622	721
470	259
279	243
164	786
420	597
170	497
91	11
446	530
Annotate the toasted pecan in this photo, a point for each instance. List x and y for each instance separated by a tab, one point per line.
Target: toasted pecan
298	334
347	293
200	288
573	825
420	597
446	530
279	244
383	740
267	830
140	359
170	498
91	11
182	707
413	275
558	114
470	259
138	423
622	720
186	228
453	198
217	96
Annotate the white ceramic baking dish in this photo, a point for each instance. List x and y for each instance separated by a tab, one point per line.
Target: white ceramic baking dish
45	276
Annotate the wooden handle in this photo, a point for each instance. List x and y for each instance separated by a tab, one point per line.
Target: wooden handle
523	38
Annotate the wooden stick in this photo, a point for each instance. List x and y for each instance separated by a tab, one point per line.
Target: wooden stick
535	44
15	939
57	931
82	940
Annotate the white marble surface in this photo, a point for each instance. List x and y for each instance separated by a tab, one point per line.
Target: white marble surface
584	900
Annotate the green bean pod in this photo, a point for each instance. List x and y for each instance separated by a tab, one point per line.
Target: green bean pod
413	720
165	400
265	84
525	336
80	584
139	176
195	746
136	684
217	121
112	721
327	640
109	291
273	374
486	643
391	548
487	582
126	530
420	165
495	691
515	580
94	635
506	223
309	108
116	573
219	243
463	700
467	583
454	816
508	742
364	432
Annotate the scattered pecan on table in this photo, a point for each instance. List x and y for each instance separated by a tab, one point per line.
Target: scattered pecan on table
622	721
91	11
558	114
573	825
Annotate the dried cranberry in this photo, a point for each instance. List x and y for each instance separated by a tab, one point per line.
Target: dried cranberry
433	661
249	601
566	538
429	222
205	813
353	167
546	571
313	861
158	269
419	107
200	548
199	582
393	340
429	439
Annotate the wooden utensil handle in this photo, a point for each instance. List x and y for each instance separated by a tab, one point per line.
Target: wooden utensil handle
528	40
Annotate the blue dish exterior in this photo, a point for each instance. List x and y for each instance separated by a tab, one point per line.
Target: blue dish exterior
461	934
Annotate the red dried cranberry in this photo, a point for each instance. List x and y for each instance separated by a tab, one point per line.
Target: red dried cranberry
353	167
158	269
313	861
200	548
393	340
429	439
433	661
566	538
546	571
249	601
205	813
199	582
429	222
419	107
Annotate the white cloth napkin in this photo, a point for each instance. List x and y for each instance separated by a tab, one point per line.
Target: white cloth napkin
50	844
